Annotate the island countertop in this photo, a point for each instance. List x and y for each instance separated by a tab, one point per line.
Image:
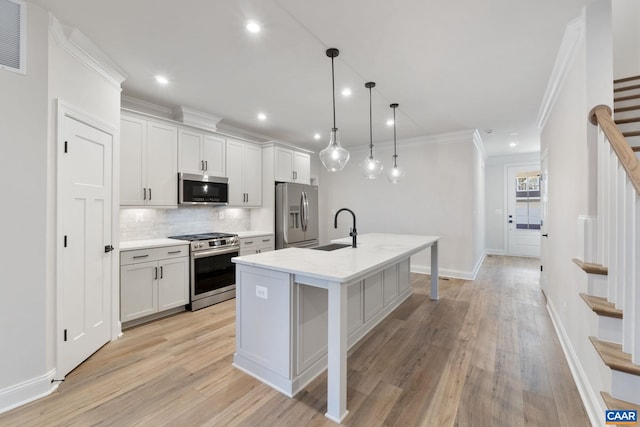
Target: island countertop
341	265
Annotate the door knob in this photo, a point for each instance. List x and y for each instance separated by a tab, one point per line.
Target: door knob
108	249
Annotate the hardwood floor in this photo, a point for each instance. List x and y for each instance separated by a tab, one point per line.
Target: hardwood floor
485	354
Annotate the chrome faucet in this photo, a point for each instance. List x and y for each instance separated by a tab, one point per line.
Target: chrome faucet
352	232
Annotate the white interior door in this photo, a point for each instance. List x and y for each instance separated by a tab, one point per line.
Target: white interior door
544	208
85	183
523	210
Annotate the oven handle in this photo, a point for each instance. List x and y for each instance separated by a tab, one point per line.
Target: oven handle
203	254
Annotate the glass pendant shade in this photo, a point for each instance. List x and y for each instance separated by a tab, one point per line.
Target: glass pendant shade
371	167
334	157
395	174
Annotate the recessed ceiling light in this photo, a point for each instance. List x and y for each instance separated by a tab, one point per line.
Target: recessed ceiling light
346	92
253	27
262	116
390	122
316	136
162	80
513	144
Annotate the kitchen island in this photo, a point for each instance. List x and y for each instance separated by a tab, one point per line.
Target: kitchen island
298	310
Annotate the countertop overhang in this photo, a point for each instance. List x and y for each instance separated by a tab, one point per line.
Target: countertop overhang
341	265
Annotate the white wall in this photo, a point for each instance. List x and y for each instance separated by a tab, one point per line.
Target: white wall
479	201
626	38
436	197
568	137
495	211
23	173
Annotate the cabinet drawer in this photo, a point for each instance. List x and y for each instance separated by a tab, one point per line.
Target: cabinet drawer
153	254
255	242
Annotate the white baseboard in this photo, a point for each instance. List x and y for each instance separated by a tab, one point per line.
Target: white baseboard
27	391
592	403
495	252
445	272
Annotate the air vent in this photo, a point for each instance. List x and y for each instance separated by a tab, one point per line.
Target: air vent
12	35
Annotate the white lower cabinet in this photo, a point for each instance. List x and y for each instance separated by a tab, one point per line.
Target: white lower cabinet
256	244
153	280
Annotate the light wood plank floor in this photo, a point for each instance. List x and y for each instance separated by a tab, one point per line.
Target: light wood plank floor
484	355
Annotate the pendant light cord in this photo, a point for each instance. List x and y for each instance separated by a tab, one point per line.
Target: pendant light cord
370	127
333	86
395	155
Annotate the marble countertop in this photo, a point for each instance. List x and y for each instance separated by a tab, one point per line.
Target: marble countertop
150	243
342	265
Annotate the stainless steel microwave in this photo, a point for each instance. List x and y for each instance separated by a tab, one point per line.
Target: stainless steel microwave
202	190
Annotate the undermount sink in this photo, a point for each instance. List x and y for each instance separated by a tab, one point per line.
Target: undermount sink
331	247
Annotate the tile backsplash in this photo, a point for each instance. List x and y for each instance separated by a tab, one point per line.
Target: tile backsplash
140	224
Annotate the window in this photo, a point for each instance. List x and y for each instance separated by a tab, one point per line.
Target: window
13	35
527	214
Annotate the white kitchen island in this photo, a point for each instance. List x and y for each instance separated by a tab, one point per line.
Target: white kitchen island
298	310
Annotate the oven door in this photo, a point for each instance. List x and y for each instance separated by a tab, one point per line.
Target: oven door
212	272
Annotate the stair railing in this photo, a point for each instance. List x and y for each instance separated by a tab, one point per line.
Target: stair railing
619	224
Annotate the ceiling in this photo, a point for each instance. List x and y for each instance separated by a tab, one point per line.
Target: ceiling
454	65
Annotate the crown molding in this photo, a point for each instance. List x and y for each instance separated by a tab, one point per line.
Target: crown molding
138	105
243	133
196	118
85	51
573	36
462	136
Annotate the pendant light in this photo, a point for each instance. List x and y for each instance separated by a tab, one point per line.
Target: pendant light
370	166
334	157
396	173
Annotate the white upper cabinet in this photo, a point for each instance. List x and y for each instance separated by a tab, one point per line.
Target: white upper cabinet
292	166
244	170
201	153
148	163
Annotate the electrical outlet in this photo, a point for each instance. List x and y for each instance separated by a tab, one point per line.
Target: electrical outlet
139	217
220	214
261	292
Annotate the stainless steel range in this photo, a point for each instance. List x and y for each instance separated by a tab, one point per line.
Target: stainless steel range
213	275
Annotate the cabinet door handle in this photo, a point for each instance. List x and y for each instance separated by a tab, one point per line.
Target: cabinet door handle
266	240
173	252
149	194
161	272
145	194
201	165
140	256
250	242
206	165
156	278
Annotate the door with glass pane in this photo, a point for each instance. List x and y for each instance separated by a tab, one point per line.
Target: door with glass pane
523	213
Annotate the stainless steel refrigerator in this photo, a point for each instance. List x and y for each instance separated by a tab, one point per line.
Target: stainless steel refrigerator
296	215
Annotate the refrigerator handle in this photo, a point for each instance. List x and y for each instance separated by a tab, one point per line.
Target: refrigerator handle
306	211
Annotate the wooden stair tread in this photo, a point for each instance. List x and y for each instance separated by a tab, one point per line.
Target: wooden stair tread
601	306
629	120
591	268
613	356
613	403
636	149
634	133
622	89
629	108
626	98
626	79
